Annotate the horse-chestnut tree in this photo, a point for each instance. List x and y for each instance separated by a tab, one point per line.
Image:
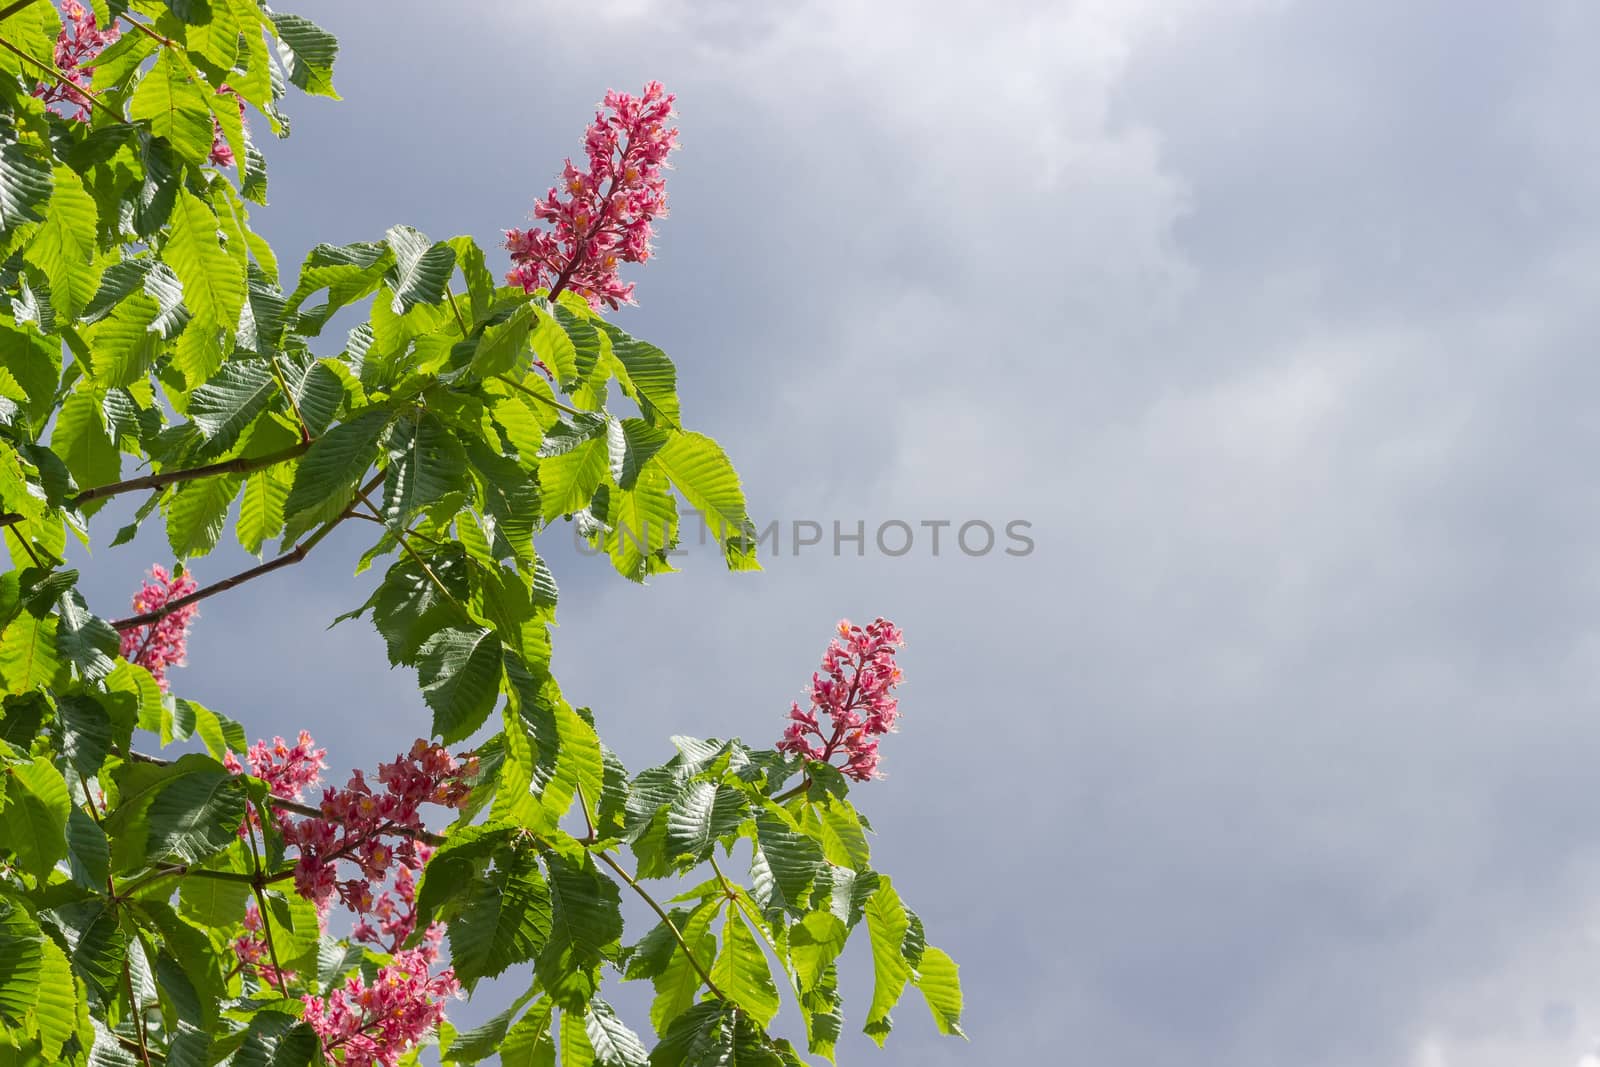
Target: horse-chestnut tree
217	901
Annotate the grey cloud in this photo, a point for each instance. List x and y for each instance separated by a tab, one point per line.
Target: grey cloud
1274	318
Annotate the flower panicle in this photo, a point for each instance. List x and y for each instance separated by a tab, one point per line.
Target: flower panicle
855	690
602	214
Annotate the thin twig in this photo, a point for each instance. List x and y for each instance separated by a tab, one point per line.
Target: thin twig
293	556
666	919
558	405
261	902
62	79
138	1016
240	465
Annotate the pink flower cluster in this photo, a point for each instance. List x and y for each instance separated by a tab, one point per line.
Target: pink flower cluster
855	689
221	151
601	216
362	1025
77	46
368	829
287	769
254	951
163	643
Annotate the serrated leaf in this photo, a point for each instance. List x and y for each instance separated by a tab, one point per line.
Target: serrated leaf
426	464
614	1044
196	513
701	815
328	474
81	440
261	508
529	1043
585	924
231	400
459	671
501	922
64	246
213	281
940	983
308	53
647	376
88	853
34	827
422	269
700	470
172	101
25	183
886	926
741	971
678	985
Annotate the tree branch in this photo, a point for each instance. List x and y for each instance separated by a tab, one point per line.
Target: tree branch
240	465
293	556
57	75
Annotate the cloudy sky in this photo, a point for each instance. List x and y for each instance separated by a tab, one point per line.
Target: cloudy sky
1276	322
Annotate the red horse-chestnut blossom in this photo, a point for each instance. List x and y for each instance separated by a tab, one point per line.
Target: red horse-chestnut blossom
374	1025
855	689
601	216
79	42
163	643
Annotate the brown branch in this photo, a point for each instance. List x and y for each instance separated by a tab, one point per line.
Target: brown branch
294	807
289	558
705	976
61	79
240	465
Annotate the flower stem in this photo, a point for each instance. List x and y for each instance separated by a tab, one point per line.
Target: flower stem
558	405
705	976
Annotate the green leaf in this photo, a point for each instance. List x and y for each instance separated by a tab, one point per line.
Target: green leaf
647	376
88	853
717	1034
784	865
64	247
700	470
576	1051
614	1044
426	464
741	970
940	984
25	182
887	923
276	1039
57	1013
814	943
678	984
184	811
196	513
585	924
97	945
528	1043
261	508
172	101
484	1040
213	281
214	38
422	269
81	440
85	731
503	921
460	675
308	52
700	815
567	481
213	902
34	827
328	474
503	344
84	640
125	343
643	525
839	831
21	960
231	400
